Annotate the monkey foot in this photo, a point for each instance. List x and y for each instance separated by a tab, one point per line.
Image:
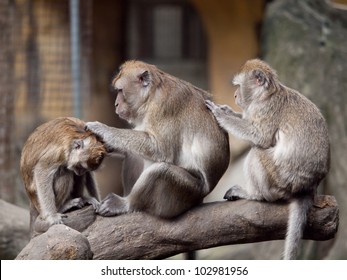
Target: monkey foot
232	193
112	205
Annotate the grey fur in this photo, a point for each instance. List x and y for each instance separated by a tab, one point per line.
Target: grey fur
290	144
176	153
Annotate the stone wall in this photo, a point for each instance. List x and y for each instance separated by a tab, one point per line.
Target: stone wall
306	42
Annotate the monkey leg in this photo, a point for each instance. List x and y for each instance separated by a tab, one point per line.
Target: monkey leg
163	190
256	186
263	179
167	190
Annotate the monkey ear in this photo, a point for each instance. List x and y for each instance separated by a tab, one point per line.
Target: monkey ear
260	78
78	144
145	78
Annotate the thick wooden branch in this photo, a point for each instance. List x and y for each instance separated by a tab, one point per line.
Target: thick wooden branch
142	236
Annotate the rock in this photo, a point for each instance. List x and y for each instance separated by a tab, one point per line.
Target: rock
14	230
59	243
305	41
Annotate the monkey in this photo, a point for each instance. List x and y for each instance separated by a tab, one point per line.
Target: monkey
179	149
56	165
290	153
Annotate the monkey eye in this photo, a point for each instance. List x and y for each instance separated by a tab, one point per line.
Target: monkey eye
115	90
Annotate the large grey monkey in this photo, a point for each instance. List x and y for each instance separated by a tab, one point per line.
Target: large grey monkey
179	149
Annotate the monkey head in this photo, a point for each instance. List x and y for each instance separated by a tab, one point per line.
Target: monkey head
86	155
256	81
133	86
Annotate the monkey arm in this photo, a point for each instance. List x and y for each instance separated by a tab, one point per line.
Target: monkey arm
127	140
244	129
227	110
240	127
43	179
223	108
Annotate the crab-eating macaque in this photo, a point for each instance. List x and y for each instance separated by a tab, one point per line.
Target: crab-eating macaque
290	145
56	166
180	150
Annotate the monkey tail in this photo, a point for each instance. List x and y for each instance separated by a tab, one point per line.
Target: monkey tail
298	210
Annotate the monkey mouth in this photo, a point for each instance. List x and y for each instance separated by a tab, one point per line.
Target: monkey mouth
123	115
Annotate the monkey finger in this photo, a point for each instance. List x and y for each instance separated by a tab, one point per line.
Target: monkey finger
210	105
226	109
95	127
104	210
92	201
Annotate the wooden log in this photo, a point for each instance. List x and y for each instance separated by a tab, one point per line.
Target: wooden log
142	236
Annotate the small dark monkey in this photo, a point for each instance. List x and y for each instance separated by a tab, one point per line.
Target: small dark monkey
180	151
56	164
290	153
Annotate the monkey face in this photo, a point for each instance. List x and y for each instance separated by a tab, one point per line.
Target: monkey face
86	155
237	97
243	95
121	107
253	86
132	86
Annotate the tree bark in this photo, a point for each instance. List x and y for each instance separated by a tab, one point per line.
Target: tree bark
142	236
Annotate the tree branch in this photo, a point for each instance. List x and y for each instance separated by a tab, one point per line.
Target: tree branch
142	236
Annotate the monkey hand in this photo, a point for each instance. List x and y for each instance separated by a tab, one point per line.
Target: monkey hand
42	224
112	205
214	108
97	128
211	105
56	218
78	203
103	131
222	113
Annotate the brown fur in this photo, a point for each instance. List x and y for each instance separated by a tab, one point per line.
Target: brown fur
49	148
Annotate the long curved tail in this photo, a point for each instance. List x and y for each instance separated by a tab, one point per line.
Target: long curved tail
298	210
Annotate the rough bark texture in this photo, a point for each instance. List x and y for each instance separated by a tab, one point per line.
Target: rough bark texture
305	41
142	236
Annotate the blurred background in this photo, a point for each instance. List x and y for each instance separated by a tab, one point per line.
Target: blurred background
57	58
